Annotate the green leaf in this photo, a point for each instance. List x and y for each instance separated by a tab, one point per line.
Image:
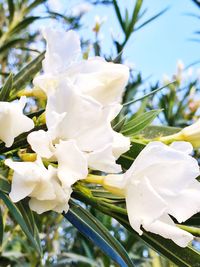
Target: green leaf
149	94
27	73
11	8
5	90
33	5
154	131
29	219
4	185
23	24
134	18
16	214
118	13
88	225
127	159
118	126
11	44
1	228
136	125
183	257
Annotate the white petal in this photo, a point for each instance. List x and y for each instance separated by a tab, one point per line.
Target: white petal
104	160
121	144
44	190
86	121
25	178
72	164
167	228
143	203
13	120
63	48
58	204
41	143
185	204
104	81
168	169
184	147
115	180
41	206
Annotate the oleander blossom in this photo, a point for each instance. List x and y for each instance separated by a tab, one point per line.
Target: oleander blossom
12	120
82	99
161	182
101	80
32	179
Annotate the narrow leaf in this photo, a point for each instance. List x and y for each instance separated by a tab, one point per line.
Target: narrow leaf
11	8
4	185
27	73
1	227
11	44
149	94
29	219
23	24
136	125
88	225
16	214
118	13
5	90
183	257
134	18
154	131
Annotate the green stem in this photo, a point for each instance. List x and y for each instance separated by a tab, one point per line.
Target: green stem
193	230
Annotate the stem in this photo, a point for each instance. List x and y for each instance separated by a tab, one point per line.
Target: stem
170	138
193	230
94	179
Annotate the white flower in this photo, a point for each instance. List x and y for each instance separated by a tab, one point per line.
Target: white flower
161	182
12	120
70	115
103	81
82	100
72	163
40	184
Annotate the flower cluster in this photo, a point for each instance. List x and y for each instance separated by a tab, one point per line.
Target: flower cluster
82	99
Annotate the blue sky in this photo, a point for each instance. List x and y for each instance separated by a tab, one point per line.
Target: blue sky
156	48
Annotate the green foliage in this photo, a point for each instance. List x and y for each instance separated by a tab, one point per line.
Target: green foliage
97	233
136	124
97	214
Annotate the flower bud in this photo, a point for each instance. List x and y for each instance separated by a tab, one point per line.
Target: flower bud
189	134
192	134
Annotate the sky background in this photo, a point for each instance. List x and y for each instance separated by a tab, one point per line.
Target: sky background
157	47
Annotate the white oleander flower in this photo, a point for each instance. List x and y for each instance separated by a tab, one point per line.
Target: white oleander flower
12	120
42	185
161	182
103	81
70	115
